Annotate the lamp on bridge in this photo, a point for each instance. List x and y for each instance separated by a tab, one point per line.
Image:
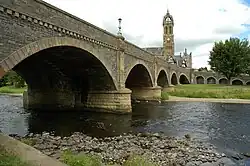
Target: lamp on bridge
119	34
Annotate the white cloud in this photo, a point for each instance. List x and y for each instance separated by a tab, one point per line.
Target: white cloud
198	23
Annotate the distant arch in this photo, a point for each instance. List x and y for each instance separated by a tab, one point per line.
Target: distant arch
223	81
248	83
183	79
174	80
211	80
162	79
200	80
237	82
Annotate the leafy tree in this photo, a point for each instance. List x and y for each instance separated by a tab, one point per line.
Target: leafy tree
230	58
12	78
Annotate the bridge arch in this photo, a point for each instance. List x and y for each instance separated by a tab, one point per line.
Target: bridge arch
184	79
139	76
248	83
162	78
211	80
200	80
24	53
237	82
223	81
174	80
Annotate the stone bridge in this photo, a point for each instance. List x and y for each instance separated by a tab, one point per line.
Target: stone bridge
203	77
69	63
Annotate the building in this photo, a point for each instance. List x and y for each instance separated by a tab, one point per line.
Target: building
168	50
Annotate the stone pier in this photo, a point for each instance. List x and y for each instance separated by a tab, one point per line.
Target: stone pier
146	93
102	101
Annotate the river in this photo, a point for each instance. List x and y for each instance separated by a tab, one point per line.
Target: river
224	125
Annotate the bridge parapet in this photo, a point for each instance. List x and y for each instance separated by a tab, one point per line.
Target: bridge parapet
56	17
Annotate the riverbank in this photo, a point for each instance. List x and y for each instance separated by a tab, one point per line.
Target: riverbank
11	90
212	100
156	148
210	91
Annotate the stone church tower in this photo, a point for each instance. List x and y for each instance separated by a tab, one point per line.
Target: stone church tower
168	36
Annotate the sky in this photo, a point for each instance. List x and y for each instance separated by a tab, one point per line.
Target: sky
198	23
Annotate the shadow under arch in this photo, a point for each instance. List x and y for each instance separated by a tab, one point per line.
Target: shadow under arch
138	76
237	82
162	79
211	80
183	79
200	80
223	81
174	80
33	48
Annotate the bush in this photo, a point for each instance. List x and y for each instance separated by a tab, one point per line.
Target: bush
164	96
80	159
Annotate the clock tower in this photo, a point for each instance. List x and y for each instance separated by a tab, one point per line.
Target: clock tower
168	35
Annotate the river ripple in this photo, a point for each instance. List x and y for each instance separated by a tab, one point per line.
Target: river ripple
224	125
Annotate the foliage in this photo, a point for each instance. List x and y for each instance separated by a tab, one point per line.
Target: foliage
164	95
138	161
12	78
211	91
80	159
12	89
230	58
10	160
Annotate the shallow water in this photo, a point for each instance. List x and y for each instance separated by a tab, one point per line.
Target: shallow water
224	125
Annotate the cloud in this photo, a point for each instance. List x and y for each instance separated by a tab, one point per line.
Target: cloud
198	23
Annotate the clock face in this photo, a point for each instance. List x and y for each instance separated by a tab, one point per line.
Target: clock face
168	39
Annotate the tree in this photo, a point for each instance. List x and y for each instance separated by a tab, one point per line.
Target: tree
230	58
12	78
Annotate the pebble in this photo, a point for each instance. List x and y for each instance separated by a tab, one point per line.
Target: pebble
164	150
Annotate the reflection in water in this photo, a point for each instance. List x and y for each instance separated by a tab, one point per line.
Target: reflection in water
224	125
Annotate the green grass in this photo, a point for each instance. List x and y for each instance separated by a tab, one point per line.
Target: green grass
80	159
83	159
210	91
11	89
10	160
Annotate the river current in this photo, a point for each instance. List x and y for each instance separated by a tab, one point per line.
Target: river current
227	126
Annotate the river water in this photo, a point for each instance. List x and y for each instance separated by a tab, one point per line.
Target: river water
227	126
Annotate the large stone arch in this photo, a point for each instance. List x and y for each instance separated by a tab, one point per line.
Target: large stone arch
248	83
162	78
211	80
183	79
28	50
174	79
200	80
70	91
139	76
138	63
237	82
223	81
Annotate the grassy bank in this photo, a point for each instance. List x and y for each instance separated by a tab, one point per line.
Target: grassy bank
10	160
83	159
12	89
210	91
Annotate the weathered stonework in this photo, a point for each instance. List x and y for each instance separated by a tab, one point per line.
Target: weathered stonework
146	93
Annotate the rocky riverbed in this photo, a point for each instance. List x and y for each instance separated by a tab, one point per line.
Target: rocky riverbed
162	150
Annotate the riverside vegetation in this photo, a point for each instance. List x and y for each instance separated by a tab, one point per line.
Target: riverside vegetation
210	91
7	159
